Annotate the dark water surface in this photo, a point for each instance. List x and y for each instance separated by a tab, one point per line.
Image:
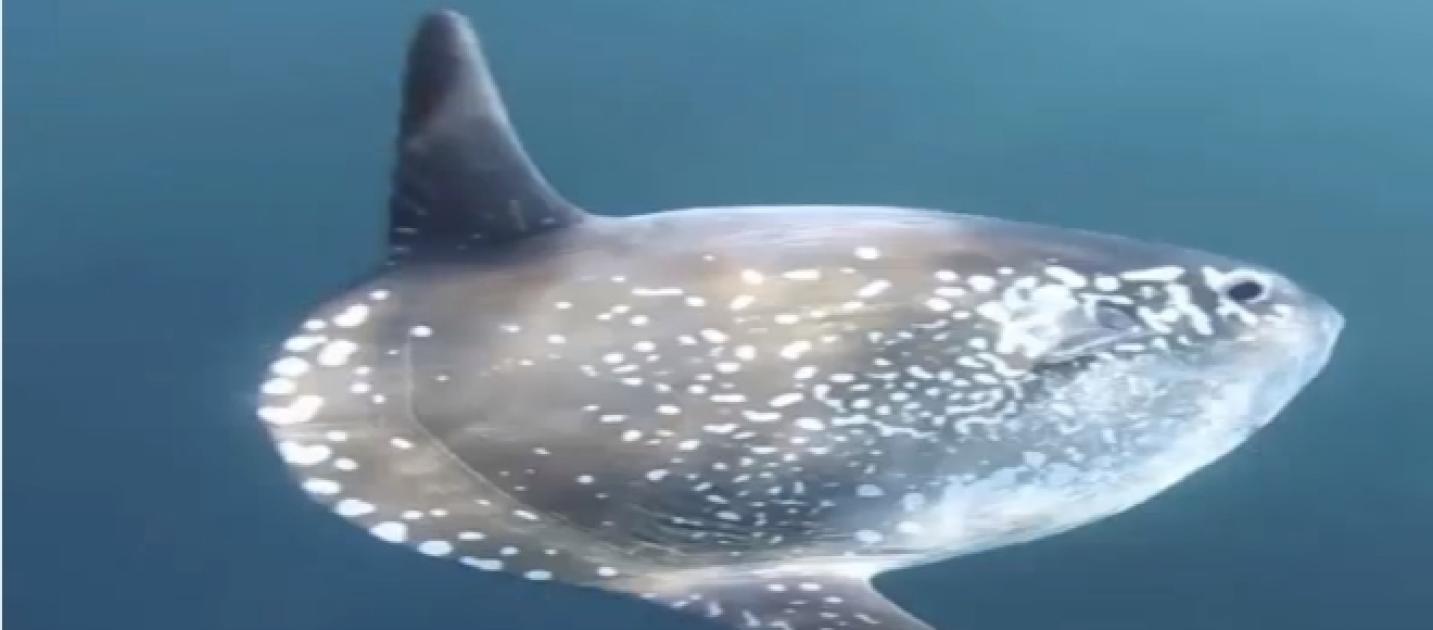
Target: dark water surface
185	178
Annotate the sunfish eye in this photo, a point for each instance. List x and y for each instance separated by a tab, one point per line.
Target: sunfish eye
1245	291
1243	286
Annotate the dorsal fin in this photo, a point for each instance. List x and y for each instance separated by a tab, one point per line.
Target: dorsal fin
462	178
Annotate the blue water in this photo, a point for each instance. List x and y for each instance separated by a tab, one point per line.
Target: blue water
186	178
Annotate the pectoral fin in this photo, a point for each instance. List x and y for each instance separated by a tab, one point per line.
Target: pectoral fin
781	599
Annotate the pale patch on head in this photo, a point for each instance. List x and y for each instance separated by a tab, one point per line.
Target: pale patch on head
1167	273
1068	277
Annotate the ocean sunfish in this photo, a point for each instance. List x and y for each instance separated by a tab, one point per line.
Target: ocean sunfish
746	413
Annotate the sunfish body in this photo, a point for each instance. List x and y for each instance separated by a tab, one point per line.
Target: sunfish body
746	413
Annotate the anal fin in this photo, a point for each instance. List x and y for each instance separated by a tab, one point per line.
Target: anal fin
785	598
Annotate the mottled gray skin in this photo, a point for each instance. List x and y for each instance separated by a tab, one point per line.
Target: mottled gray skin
748	412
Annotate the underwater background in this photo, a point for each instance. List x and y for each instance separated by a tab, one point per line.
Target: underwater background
185	179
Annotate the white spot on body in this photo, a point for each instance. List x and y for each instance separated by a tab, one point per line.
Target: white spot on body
279	387
939	305
352	507
336	352
787	399
352	316
795	349
303	343
873	288
290	367
740	302
390	531
483	564
810	424
869	536
302	409
913	501
761	416
300	455
982	283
